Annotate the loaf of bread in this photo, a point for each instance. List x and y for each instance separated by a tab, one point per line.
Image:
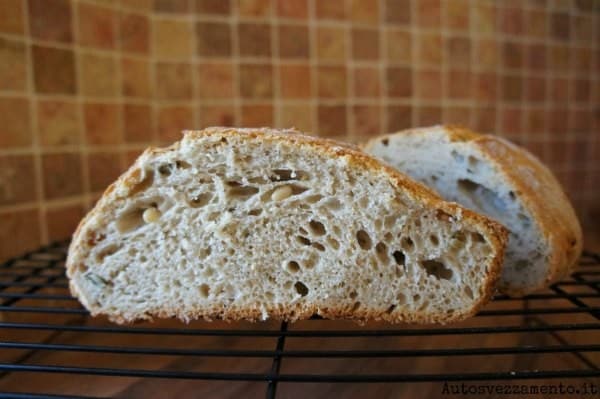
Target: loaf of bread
258	223
495	177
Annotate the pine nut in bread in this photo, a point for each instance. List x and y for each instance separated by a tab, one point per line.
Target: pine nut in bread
259	223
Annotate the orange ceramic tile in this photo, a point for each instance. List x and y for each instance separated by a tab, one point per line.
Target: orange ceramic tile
399	46
429	84
512	55
429	48
135	75
456	14
138	5
254	39
365	120
19	232
257	115
397	12
213	39
511	121
172	39
137	121
17	179
293	41
62	175
581	60
331	120
458	82
429	115
429	14
256	80
103	169
536	57
53	70
330	9
559	58
583	29
11	17
50	20
134	33
582	92
295	80
98	75
536	22
172	120
62	221
484	17
559	90
484	119
130	156
331	81
580	121
331	43
398	117
560	25
457	115
535	121
213	7
172	6
364	11
13	66
292	8
215	80
254	8
15	122
58	122
458	50
484	86
97	26
102	124
486	53
512	88
217	115
367	82
297	116
365	44
511	20
558	123
399	82
535	89
173	81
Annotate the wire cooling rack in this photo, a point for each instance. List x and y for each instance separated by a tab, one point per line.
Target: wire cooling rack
50	347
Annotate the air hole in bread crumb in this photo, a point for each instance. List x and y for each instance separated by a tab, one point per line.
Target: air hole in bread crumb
269	295
317	228
81	268
143	184
165	169
238	191
353	295
401	298
390	309
288	174
382	252
318	246
522	264
303	231
130	220
416	298
301	288
469	292
313	199
333	243
108	250
407	244
434	178
255	212
200	200
399	257
473	161
303	240
385	142
182	164
364	240
434	239
437	269
333	204
356	306
388	237
363	202
512	195
292	266
477	237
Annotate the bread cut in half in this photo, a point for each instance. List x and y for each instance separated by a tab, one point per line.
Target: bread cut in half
495	177
257	223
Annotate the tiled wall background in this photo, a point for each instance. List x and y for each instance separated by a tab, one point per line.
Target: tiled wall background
86	85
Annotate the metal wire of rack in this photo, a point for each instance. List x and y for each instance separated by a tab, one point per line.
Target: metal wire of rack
45	334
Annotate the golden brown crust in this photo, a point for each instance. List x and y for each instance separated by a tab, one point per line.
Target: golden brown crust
357	159
540	192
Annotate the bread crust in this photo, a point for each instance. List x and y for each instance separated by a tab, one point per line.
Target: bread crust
85	235
540	192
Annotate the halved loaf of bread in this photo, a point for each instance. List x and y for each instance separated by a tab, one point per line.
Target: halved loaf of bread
252	224
495	177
